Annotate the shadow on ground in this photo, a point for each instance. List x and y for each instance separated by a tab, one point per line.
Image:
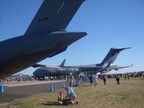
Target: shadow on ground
52	103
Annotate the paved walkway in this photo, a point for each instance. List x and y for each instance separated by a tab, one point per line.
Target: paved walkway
22	89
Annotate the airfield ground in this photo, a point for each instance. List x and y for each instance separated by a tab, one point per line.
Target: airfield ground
129	94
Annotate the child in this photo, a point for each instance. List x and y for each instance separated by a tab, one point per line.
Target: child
61	98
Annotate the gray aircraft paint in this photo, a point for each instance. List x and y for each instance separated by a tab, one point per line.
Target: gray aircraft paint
105	66
45	37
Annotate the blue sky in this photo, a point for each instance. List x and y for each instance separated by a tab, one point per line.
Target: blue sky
109	23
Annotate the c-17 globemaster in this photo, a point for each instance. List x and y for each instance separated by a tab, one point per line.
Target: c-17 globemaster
105	66
45	37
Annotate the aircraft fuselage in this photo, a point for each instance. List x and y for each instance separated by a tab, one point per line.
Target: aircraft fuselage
40	73
24	51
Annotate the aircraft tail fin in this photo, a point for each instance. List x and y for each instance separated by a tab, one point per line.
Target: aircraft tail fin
62	64
53	15
108	65
111	56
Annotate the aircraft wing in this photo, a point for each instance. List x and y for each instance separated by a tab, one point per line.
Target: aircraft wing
45	66
103	69
57	17
88	68
107	69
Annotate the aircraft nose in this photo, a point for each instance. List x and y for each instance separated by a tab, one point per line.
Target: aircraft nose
35	72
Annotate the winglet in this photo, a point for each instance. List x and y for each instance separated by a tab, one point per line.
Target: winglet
131	65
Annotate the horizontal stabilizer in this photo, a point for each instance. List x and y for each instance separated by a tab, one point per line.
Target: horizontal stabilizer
126	66
120	49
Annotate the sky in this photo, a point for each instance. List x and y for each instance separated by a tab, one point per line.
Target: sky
109	24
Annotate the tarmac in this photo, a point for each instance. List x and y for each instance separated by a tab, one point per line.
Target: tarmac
18	90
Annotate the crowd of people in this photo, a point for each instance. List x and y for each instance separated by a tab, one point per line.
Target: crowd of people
93	79
71	95
75	81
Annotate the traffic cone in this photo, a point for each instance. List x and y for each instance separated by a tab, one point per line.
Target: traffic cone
1	88
63	85
74	83
51	87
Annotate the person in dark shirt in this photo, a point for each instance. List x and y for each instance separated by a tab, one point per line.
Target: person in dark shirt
91	80
104	79
118	79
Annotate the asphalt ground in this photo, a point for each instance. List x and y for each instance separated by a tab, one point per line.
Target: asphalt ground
19	90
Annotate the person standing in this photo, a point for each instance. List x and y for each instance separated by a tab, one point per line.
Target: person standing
95	79
118	79
91	80
71	79
104	79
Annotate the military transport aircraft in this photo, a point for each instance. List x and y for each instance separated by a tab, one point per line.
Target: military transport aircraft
105	66
45	37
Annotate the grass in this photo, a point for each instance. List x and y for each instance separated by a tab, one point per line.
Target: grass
129	94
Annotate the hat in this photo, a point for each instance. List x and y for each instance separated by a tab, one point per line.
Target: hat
60	92
70	73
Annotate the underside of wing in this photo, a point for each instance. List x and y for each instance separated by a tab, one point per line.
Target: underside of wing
88	68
